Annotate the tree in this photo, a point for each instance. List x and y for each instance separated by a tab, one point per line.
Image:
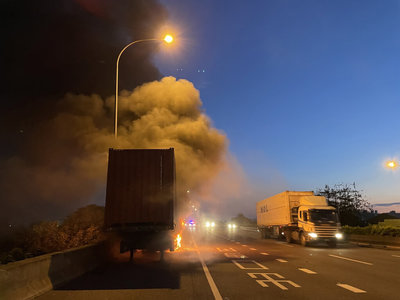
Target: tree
352	208
240	219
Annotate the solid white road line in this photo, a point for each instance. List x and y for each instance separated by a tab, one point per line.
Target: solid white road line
354	260
350	288
253	249
214	289
264	253
395	255
307	271
281	260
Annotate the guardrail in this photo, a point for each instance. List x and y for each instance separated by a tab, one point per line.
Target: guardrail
32	277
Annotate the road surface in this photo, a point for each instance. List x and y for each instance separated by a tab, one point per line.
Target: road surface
226	264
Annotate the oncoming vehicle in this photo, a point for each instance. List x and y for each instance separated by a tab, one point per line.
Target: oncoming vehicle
299	216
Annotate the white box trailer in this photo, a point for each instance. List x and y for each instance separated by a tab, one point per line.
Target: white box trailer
298	215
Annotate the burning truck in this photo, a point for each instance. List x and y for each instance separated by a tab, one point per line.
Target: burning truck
141	199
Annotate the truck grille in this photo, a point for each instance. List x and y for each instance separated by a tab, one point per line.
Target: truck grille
326	231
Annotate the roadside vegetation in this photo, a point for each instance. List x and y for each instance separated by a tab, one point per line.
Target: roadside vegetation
373	229
83	227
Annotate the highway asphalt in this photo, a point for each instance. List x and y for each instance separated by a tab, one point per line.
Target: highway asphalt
237	264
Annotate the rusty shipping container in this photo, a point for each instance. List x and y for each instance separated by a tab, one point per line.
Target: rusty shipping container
140	189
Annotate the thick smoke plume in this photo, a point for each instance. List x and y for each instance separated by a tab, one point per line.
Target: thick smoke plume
65	162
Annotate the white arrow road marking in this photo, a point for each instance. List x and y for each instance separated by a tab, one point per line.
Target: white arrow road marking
281	260
350	288
307	271
350	259
260	266
264	253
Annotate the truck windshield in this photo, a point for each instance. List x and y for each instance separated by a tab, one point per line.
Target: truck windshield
323	215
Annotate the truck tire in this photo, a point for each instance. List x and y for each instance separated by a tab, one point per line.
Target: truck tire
303	240
288	236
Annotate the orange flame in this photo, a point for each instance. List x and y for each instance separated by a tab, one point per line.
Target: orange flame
178	241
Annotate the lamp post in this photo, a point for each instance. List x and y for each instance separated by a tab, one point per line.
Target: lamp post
168	39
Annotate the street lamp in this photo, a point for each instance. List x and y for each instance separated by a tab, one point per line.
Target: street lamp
168	39
392	164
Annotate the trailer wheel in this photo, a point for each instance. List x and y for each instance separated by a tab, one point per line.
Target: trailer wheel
263	232
162	255
303	240
131	251
288	236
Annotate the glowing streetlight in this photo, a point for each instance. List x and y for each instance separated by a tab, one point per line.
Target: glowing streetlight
392	164
168	39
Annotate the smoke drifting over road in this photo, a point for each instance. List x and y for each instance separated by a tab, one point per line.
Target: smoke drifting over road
65	159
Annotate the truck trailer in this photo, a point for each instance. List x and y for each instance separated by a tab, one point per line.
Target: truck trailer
140	198
299	216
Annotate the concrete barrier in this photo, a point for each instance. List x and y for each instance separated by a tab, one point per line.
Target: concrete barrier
32	277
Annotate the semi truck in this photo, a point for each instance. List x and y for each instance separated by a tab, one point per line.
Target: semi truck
299	216
140	199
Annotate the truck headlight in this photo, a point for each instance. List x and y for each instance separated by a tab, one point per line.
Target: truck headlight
212	224
339	235
208	224
313	235
229	225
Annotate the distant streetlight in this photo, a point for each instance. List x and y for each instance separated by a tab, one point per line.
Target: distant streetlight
168	39
392	164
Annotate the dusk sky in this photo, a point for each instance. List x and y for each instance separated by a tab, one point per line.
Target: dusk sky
304	93
307	92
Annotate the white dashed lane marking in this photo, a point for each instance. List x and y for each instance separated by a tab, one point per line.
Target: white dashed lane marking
233	249
281	260
350	288
307	271
396	255
353	260
253	249
264	253
244	245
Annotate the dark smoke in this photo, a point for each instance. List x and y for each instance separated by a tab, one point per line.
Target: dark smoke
50	48
64	165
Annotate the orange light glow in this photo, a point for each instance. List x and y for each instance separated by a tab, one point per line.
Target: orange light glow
392	164
168	39
178	241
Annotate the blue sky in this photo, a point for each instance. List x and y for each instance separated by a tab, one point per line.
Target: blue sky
306	91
